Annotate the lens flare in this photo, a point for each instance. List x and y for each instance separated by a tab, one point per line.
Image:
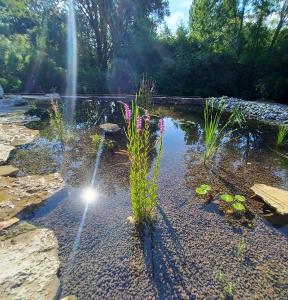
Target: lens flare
89	195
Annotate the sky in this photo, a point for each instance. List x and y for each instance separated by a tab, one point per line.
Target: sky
179	11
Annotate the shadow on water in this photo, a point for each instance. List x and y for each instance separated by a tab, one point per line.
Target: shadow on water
45	209
165	263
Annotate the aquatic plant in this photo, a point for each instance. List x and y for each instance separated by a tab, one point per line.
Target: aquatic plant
56	119
213	130
236	202
143	184
281	135
203	189
230	289
96	140
241	247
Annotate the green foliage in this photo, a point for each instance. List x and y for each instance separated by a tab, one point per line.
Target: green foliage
236	202
281	135
240	198
241	247
228	286
227	198
239	207
143	184
213	130
96	140
229	48
230	289
203	189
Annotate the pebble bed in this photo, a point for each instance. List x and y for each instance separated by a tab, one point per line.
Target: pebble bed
191	245
268	112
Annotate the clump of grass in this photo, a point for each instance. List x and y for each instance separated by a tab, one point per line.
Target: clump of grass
281	135
241	247
213	130
143	184
56	120
146	93
229	287
96	140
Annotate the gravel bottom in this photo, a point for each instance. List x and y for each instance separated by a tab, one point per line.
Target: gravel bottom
191	251
267	112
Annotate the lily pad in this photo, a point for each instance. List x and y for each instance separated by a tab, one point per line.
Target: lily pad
240	198
201	191
205	187
226	198
238	206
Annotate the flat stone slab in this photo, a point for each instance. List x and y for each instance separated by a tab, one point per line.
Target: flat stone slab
16	135
8	171
5	152
8	223
17	118
274	197
110	127
16	194
29	263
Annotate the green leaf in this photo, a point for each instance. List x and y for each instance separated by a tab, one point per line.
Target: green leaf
205	187
226	198
240	198
238	206
201	191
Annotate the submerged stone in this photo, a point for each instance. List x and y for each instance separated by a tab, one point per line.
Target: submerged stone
8	223
274	197
5	152
16	135
8	171
110	127
16	194
29	263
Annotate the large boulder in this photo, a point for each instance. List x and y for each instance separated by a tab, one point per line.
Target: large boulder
29	263
110	127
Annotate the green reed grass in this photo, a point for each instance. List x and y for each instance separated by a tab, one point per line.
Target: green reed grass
213	130
57	121
281	135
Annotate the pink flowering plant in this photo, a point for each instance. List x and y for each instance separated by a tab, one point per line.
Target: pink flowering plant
143	182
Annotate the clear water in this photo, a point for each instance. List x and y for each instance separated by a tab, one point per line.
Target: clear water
191	242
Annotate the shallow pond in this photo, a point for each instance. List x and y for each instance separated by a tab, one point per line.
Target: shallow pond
193	251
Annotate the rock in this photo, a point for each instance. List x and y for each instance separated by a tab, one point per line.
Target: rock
5	152
8	223
110	127
274	197
71	297
271	113
53	96
16	135
1	92
29	263
16	194
8	171
17	118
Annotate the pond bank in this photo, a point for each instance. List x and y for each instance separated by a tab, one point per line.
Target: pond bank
266	112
